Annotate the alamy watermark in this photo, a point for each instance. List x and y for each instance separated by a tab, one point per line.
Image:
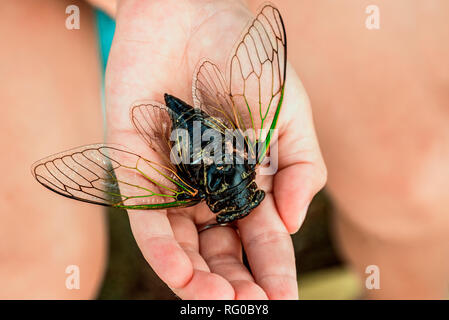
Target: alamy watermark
372	21
73	20
373	280
73	279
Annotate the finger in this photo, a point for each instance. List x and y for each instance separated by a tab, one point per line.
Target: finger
293	199
270	253
186	234
204	284
155	238
222	250
299	158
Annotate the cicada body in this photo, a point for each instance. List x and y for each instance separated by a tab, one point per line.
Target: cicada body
182	168
228	187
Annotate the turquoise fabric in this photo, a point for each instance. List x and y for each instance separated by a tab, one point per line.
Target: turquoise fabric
106	28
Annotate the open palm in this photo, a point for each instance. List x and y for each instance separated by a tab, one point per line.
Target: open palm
156	47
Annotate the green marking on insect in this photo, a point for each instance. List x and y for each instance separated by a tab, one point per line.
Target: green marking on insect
267	141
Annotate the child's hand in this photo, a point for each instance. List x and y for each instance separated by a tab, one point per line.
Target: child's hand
156	47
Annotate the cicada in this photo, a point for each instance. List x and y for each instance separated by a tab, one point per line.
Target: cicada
248	99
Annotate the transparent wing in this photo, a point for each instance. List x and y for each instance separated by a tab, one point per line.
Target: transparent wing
252	97
109	175
210	94
257	75
152	121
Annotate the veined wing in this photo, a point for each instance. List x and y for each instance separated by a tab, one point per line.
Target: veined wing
109	175
152	121
252	97
210	94
257	72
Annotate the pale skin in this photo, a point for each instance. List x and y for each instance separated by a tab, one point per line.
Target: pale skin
390	193
42	233
155	52
380	104
60	232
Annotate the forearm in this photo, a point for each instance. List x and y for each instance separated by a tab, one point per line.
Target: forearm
51	102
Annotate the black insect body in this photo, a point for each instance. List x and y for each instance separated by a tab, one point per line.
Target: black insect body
229	189
249	99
